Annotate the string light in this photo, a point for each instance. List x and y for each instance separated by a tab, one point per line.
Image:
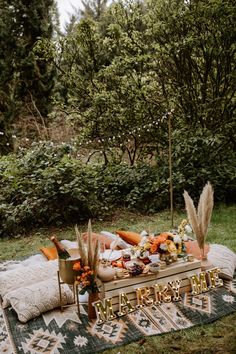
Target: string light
146	127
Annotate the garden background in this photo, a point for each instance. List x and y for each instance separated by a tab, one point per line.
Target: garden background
91	118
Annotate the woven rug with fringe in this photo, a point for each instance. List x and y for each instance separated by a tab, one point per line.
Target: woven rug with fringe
64	332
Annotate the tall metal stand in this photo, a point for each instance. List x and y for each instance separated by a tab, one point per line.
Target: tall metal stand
74	287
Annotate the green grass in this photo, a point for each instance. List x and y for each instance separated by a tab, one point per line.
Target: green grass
221	230
218	337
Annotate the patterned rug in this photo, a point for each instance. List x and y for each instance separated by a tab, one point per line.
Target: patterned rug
64	332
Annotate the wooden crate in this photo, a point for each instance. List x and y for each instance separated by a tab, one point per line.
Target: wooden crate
178	270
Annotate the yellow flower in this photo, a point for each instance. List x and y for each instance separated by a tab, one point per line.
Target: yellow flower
171	246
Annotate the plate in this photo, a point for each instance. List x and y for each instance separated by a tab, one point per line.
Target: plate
130	264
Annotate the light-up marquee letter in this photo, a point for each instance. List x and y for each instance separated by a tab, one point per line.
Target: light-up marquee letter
198	283
161	295
124	305
214	279
143	297
174	287
104	310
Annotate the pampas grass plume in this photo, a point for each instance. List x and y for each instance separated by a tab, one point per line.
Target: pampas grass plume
200	218
90	254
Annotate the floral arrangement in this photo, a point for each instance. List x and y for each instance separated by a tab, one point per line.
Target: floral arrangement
86	278
140	251
169	244
184	229
166	243
87	266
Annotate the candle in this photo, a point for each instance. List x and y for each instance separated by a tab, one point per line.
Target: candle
190	258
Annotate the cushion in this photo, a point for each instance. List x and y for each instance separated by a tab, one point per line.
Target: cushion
131	237
193	248
23	276
33	300
69	244
218	255
225	259
103	239
49	252
121	243
32	260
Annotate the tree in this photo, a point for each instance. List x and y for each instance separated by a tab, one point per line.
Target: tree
195	45
109	83
25	81
93	9
194	58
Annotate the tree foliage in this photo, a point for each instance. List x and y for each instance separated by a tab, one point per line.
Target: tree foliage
123	73
25	82
119	74
93	9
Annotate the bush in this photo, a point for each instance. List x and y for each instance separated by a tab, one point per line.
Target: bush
46	185
41	187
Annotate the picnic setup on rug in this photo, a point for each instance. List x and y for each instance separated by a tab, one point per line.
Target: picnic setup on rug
108	289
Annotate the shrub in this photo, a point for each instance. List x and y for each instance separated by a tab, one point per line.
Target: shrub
47	185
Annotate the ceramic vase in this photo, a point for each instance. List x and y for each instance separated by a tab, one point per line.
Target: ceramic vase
106	272
91	309
205	263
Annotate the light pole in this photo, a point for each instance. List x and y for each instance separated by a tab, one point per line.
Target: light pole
169	114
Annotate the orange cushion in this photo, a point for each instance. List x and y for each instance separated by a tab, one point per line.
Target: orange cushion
49	252
103	239
131	237
193	248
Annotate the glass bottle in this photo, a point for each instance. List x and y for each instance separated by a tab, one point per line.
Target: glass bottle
61	251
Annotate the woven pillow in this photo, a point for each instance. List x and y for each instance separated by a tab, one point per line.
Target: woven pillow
131	237
225	259
49	252
23	276
33	300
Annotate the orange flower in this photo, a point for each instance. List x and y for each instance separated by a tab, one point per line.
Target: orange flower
158	240
153	248
162	237
77	266
86	268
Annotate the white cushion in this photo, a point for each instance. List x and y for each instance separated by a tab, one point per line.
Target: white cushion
32	260
25	275
121	243
69	244
222	257
31	301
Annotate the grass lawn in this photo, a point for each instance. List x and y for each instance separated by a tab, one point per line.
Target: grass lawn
218	337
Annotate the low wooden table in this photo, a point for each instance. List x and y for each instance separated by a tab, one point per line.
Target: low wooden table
175	271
